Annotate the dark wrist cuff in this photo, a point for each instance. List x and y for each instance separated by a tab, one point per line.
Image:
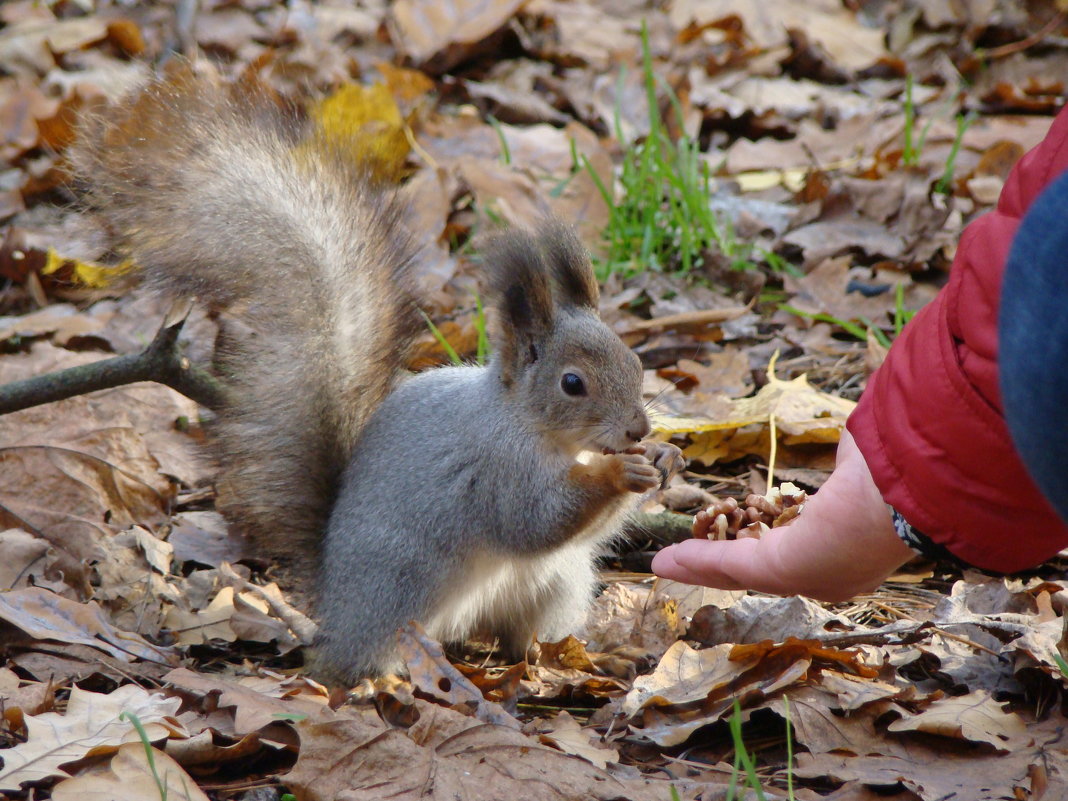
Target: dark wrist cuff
924	545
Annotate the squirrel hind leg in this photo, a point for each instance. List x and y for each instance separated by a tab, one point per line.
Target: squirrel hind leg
322	661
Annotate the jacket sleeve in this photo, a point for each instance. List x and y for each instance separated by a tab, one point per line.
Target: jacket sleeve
930	423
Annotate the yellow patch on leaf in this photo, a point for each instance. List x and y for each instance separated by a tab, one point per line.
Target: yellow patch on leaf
367	121
85	273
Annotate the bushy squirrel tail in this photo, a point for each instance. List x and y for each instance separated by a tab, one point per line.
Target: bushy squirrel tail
225	194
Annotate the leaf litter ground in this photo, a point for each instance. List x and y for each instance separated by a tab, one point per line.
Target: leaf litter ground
124	597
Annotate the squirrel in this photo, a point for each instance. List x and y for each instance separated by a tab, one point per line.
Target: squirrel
467	498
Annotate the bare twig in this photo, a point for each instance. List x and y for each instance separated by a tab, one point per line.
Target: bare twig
1029	41
161	362
300	624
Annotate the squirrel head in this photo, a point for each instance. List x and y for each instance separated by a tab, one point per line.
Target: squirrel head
569	372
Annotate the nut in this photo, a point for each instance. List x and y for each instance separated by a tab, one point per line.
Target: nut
725	519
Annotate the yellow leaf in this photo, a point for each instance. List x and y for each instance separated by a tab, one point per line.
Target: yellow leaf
86	273
366	121
803	414
791	178
758	180
725	445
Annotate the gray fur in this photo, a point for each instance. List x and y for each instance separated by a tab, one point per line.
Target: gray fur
454	510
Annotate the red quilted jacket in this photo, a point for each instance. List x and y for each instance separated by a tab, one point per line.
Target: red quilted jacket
930	423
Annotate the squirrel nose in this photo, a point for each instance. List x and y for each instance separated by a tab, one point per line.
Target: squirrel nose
640	429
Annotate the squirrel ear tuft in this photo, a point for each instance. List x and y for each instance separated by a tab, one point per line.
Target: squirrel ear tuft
519	280
570	264
520	293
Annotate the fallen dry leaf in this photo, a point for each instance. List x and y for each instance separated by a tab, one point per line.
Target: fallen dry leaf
684	674
432	673
91	724
587	32
254	620
818	723
975	717
193	627
132	777
352	759
438	35
800	413
939	773
799	111
826	290
754	618
634	616
253	709
839	31
690	689
131	580
21	698
65	483
203	537
201	749
30	45
25	556
565	733
509	194
47	616
568	653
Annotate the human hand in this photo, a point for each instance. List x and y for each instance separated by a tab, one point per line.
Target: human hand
842	544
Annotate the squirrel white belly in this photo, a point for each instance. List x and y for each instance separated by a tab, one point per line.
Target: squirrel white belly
455	497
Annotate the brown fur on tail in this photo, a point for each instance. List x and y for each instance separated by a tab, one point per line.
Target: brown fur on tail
225	194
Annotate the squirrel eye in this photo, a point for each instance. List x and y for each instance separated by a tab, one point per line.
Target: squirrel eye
572	384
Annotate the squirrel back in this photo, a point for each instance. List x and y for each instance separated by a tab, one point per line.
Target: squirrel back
225	194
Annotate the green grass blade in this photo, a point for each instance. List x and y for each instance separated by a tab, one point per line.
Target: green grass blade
483	348
735	724
876	332
945	183
506	153
149	754
850	328
908	154
454	357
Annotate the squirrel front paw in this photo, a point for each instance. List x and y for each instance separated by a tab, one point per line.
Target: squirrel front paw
634	472
665	457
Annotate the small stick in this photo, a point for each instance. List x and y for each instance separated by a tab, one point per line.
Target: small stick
1028	41
161	362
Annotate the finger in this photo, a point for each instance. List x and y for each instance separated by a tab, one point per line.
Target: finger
694	565
732	565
